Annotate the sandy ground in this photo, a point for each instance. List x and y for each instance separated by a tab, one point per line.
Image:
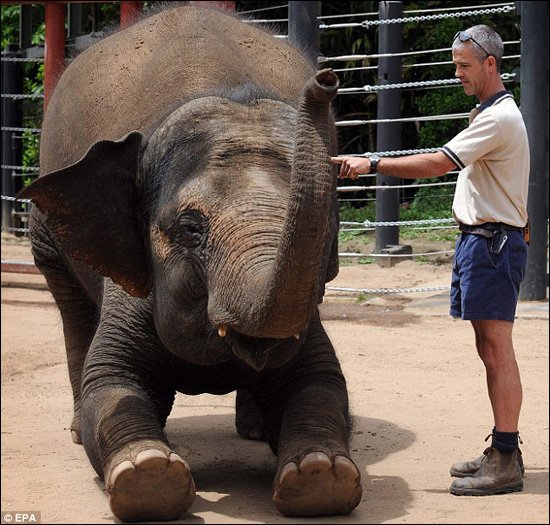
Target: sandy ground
417	392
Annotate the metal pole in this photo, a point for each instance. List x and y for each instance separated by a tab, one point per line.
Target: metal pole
74	26
12	117
388	135
54	58
25	26
303	27
534	107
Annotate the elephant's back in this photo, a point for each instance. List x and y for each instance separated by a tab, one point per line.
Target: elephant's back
134	78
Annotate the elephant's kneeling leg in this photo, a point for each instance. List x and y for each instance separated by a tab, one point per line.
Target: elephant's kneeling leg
155	486
319	486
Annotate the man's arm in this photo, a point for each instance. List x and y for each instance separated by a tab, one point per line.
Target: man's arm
421	166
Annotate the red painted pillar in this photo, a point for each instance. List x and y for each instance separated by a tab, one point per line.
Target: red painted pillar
54	49
128	13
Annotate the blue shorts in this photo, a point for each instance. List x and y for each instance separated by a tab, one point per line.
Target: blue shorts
485	285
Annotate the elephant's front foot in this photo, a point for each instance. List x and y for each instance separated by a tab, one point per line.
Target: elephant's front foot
319	486
153	486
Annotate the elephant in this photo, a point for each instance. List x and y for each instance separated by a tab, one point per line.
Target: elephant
185	219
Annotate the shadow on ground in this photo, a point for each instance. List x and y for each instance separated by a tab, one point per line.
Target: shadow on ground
234	476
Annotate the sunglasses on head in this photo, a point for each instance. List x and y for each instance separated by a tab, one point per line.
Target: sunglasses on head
464	36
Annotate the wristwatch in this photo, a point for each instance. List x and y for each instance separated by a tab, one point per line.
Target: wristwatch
374	160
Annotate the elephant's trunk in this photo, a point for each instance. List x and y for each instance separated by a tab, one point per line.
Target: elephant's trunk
300	263
278	290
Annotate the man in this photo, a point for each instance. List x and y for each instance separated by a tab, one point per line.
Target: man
490	206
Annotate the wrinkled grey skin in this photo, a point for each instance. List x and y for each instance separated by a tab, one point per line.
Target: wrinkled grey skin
186	225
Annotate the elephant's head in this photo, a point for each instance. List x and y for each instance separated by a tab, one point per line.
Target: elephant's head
225	217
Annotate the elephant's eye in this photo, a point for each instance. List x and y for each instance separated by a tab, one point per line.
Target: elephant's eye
190	229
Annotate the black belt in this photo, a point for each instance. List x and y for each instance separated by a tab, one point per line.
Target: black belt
488	229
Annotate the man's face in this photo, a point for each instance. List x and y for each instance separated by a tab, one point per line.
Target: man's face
469	70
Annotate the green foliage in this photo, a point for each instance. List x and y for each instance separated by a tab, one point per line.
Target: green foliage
348	235
39	34
33	83
349	213
33	79
430	202
10	25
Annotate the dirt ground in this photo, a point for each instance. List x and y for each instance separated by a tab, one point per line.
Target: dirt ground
417	393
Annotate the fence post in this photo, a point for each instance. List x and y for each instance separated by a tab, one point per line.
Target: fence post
25	26
534	92
388	135
12	117
74	25
303	27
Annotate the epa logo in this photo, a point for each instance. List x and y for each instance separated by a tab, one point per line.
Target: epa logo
21	517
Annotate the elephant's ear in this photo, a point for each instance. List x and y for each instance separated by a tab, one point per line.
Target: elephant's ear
91	209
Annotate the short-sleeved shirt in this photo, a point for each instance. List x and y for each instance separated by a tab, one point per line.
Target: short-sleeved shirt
493	156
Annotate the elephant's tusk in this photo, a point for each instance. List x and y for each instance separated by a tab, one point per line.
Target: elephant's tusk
222	330
297	336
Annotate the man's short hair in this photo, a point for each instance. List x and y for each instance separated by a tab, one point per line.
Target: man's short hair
488	43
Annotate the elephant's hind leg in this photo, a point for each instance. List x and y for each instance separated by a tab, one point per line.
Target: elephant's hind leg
248	418
318	486
80	315
154	485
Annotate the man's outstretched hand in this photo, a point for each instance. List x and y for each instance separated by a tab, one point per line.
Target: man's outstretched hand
351	167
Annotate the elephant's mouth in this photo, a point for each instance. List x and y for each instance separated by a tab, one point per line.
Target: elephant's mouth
258	352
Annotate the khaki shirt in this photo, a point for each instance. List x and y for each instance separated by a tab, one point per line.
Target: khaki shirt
493	156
